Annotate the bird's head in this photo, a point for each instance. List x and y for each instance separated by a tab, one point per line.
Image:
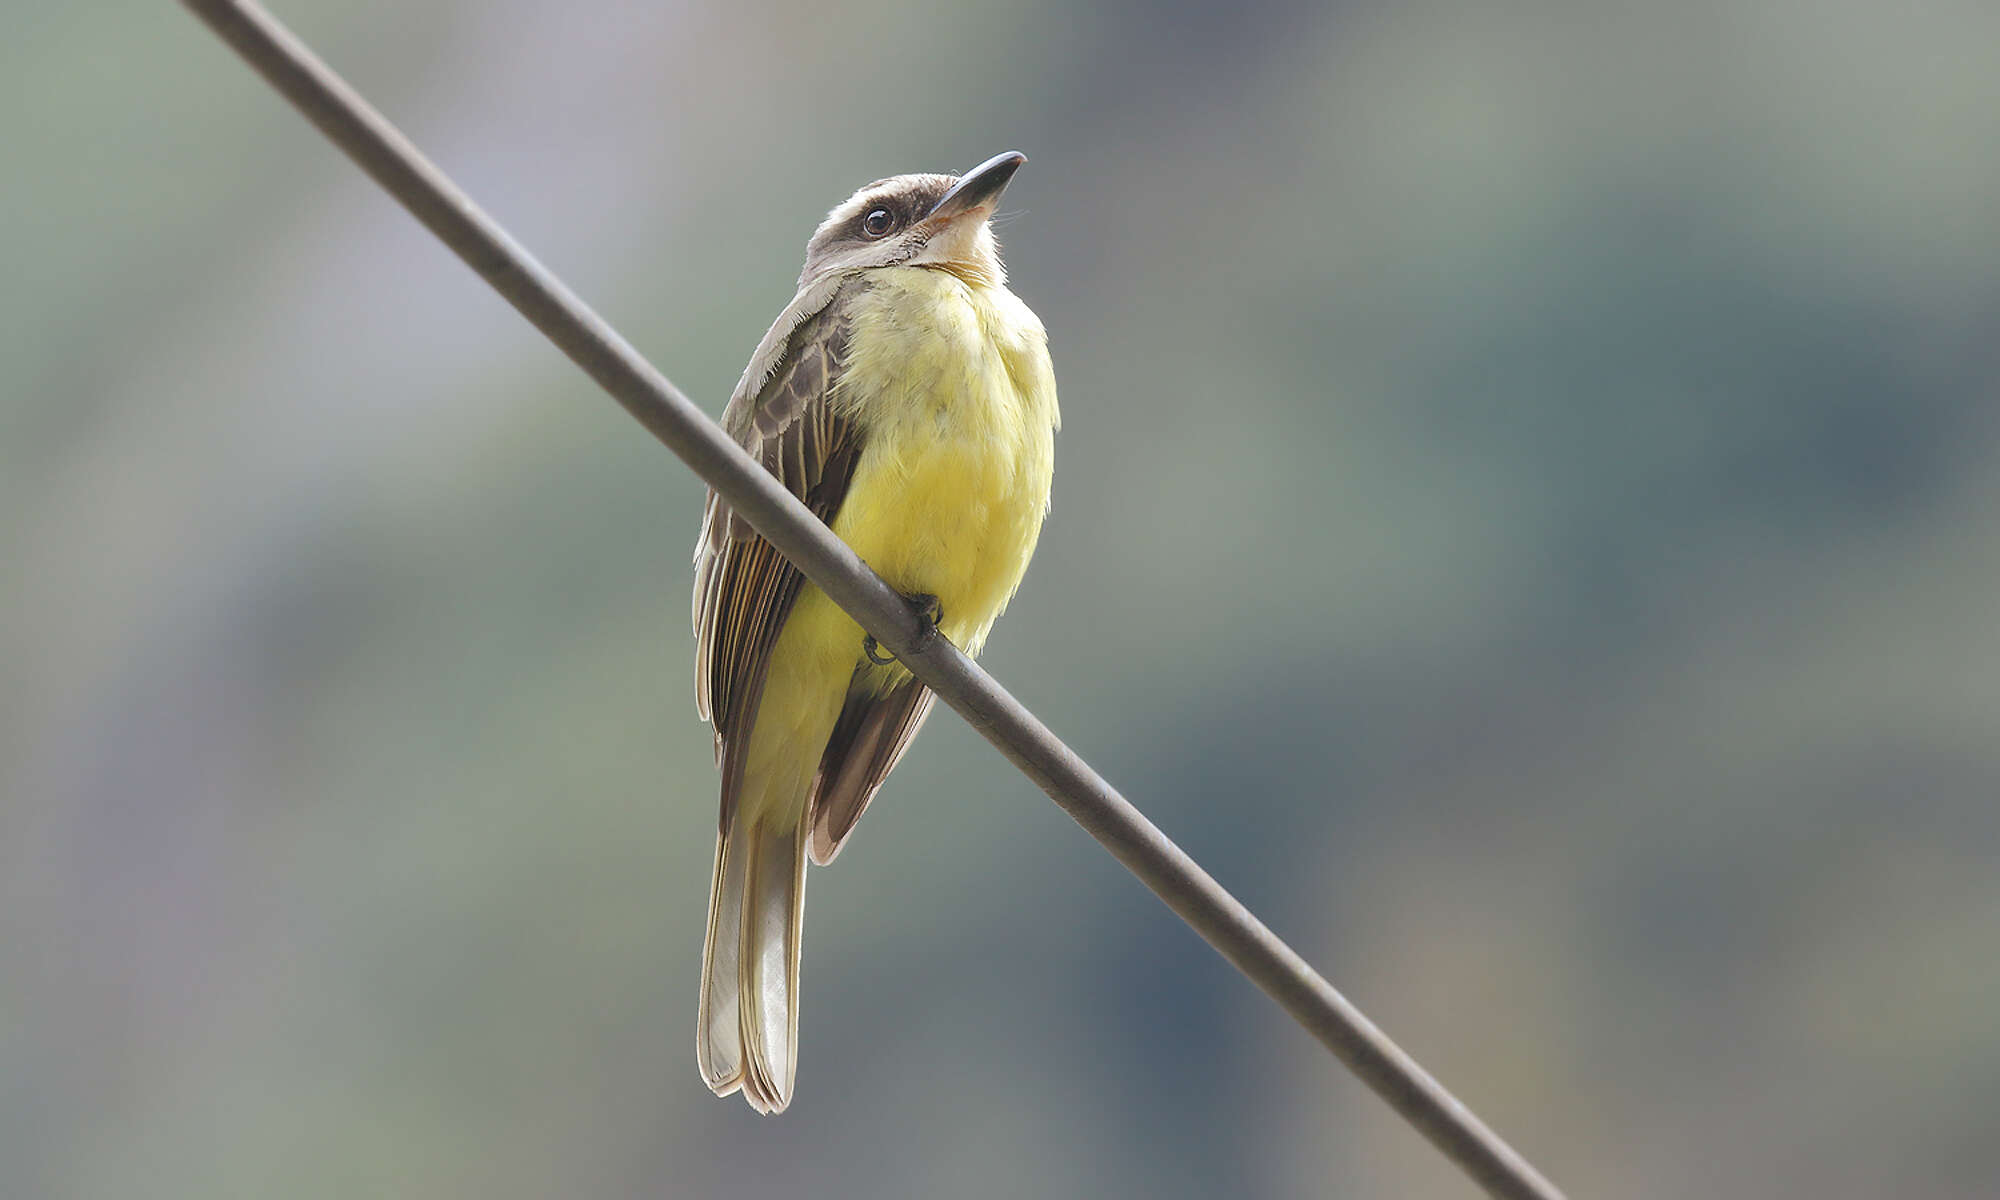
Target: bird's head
937	221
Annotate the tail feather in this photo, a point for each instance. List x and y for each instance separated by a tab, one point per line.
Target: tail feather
750	967
718	1044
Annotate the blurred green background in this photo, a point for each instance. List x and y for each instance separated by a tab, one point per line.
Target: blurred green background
1525	519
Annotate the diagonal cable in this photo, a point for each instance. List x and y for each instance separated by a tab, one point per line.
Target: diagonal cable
1235	933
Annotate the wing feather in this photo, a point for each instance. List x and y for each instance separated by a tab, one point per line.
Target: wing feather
744	589
867	742
782	413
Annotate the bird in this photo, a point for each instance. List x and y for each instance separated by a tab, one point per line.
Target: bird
907	397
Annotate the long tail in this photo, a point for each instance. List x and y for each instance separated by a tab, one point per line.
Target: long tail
749	1034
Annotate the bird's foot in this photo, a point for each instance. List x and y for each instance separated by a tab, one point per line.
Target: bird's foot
927	609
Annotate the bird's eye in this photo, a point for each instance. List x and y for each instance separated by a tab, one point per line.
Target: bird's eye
877	223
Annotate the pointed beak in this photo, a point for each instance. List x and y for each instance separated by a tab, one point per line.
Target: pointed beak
979	188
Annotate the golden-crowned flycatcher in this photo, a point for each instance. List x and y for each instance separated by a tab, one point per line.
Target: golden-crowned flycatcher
905	395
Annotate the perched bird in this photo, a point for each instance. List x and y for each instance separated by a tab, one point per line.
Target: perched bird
905	395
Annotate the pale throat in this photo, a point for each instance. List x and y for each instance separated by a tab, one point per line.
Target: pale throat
981	273
965	249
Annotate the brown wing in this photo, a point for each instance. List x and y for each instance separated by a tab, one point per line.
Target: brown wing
871	735
743	588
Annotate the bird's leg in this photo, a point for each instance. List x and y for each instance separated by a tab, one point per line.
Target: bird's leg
928	610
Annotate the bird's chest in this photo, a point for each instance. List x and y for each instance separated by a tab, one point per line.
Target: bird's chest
954	474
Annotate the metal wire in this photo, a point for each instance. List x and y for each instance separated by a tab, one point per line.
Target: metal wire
376	146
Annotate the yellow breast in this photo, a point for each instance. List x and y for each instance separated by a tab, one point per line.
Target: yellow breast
952	385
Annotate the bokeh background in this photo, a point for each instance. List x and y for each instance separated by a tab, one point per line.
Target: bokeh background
1525	519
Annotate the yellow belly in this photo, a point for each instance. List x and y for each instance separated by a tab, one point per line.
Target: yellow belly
952	387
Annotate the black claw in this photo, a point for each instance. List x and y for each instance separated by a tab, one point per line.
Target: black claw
928	610
926	606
